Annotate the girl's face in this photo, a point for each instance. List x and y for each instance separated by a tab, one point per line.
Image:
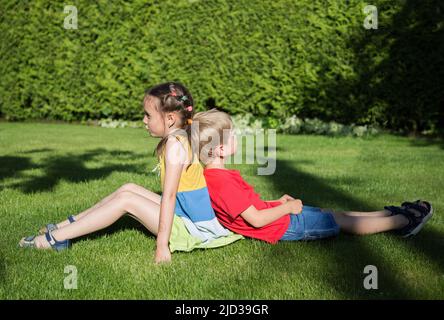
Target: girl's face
153	119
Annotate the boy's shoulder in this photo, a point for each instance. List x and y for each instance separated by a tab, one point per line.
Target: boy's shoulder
221	172
222	176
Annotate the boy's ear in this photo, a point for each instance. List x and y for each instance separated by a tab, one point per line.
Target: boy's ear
219	151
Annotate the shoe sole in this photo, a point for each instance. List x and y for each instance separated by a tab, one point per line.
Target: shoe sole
419	226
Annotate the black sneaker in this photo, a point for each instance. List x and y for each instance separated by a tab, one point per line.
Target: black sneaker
418	213
394	210
420	202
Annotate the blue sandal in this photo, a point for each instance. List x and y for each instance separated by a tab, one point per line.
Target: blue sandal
57	245
29	242
52	226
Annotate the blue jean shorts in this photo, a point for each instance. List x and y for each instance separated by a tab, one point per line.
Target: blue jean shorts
311	224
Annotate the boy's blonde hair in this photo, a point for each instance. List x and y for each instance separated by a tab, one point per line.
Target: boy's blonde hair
212	124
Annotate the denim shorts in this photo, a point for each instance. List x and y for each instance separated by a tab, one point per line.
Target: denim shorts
311	224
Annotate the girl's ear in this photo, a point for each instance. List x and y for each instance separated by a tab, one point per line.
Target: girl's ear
170	119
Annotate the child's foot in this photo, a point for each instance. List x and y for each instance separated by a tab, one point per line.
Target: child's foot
418	213
39	242
46	241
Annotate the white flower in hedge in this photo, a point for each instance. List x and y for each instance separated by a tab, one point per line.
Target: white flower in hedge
373	131
292	125
242	121
110	123
359	131
246	124
257	124
335	128
315	126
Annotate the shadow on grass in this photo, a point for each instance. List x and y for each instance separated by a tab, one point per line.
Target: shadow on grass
68	167
36	151
430	243
427	142
347	255
12	165
71	167
412	98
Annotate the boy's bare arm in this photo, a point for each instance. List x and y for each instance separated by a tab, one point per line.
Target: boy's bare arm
282	199
260	218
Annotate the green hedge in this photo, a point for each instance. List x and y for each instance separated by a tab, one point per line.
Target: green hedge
310	58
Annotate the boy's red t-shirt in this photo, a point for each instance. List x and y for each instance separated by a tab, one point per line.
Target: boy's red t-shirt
231	195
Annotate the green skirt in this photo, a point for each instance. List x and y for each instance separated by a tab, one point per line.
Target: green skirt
182	240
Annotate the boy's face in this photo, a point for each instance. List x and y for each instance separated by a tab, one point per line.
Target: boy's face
230	147
224	150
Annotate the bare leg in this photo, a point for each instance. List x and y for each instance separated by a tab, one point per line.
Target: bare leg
84	213
382	213
362	225
126	187
145	210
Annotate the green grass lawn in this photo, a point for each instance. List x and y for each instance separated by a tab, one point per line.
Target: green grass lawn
49	171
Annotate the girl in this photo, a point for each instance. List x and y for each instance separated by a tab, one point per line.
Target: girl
169	110
240	208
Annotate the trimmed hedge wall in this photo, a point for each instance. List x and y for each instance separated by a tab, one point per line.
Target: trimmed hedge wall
310	58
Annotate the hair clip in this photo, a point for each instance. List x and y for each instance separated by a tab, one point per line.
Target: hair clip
173	93
189	108
183	98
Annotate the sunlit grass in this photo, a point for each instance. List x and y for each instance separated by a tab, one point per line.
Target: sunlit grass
49	171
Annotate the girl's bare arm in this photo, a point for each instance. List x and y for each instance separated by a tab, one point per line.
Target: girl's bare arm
175	157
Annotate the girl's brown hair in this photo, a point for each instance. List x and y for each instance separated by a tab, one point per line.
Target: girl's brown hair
173	97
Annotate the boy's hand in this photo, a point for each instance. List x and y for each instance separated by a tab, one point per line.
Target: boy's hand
294	206
285	198
163	255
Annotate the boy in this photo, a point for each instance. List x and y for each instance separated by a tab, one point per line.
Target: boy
240	209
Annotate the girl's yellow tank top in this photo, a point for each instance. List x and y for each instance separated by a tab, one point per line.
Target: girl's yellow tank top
192	178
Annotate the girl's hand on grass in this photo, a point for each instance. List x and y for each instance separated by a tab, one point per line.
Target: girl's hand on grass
294	206
163	255
286	198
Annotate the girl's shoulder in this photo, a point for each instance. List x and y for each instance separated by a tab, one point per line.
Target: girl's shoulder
178	137
174	138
